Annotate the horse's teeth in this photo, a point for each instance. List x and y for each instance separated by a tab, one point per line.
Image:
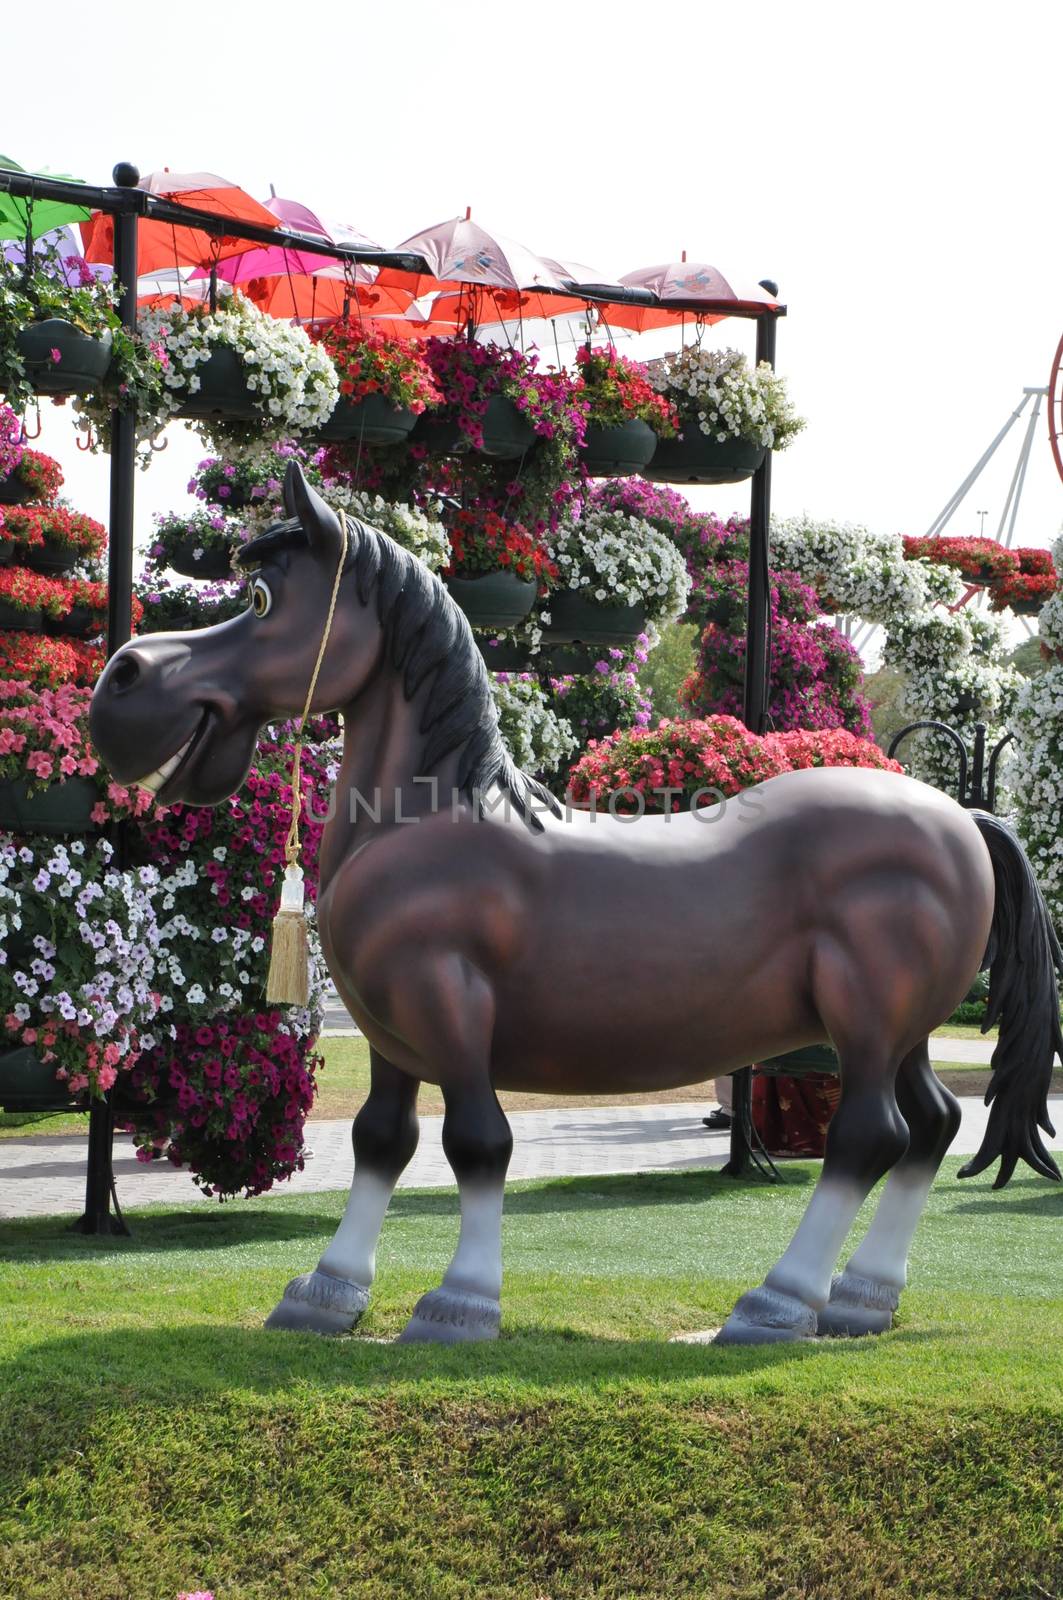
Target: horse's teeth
155	780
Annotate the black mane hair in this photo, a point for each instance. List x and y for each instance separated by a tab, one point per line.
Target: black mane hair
426	636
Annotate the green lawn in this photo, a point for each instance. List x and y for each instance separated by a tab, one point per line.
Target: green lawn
153	1438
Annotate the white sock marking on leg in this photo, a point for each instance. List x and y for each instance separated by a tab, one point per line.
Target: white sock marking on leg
805	1267
883	1252
352	1252
477	1264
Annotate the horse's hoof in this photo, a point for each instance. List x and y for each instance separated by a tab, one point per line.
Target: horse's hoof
450	1316
857	1306
764	1316
316	1302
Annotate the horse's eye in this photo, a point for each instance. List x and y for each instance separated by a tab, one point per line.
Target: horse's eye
261	599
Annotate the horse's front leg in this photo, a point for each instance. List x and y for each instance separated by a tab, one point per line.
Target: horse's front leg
452	1019
332	1298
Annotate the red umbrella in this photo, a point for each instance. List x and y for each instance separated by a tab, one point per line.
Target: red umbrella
162	245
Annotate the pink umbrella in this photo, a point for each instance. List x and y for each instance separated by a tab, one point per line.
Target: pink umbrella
268	261
688	281
460	252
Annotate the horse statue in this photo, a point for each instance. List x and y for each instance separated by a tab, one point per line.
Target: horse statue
482	942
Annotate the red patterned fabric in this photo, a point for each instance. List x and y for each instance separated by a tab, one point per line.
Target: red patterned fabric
792	1115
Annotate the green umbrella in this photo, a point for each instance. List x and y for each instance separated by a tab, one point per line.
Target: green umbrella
19	216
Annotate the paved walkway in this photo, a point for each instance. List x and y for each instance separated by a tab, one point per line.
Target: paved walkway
43	1174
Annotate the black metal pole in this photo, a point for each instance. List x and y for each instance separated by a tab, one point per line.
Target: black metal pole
99	1177
755	700
755	703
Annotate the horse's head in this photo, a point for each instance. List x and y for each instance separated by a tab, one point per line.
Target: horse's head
179	713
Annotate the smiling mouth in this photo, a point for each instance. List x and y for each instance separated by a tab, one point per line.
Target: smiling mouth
154	781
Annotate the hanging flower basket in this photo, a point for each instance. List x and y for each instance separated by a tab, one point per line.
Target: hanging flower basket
80	622
1025	606
576	619
50	557
493	599
193	560
696	458
12	490
82	360
29	1084
507	434
60	808
619	452
14	620
223	394
7	550
505	655
368	421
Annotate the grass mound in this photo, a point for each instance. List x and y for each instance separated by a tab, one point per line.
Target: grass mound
154	1438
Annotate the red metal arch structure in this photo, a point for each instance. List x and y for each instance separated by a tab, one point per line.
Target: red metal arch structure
1055	408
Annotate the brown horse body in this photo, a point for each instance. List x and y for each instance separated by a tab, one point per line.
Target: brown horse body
480	946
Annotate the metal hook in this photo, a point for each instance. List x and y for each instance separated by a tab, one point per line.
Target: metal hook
90	439
27	432
156	447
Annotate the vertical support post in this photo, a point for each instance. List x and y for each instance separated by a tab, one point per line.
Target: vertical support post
755	699
975	795
99	1177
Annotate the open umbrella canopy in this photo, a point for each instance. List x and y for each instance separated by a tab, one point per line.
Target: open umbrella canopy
162	245
461	252
325	293
265	261
697	281
21	215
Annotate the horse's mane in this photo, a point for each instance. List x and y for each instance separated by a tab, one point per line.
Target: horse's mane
426	636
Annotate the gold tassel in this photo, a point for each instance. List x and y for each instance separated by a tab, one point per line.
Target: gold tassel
288	983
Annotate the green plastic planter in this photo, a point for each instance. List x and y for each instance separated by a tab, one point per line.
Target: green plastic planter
370	421
80	622
13	491
619	452
214	561
556	661
7	551
575	619
60	808
494	599
696	458
29	1084
507	434
798	1063
50	558
83	360
16	621
223	392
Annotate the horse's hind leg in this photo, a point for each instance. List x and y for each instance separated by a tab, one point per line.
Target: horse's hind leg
331	1299
864	1297
866	1136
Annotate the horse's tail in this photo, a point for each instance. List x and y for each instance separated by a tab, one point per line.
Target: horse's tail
1023	958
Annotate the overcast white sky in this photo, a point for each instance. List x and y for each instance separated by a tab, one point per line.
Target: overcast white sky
895	168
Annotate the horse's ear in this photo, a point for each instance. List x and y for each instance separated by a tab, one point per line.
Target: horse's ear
318	520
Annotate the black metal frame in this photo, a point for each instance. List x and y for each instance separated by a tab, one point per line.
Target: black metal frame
127	204
976	782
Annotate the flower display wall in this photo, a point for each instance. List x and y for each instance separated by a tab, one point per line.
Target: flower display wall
1037	763
953	661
